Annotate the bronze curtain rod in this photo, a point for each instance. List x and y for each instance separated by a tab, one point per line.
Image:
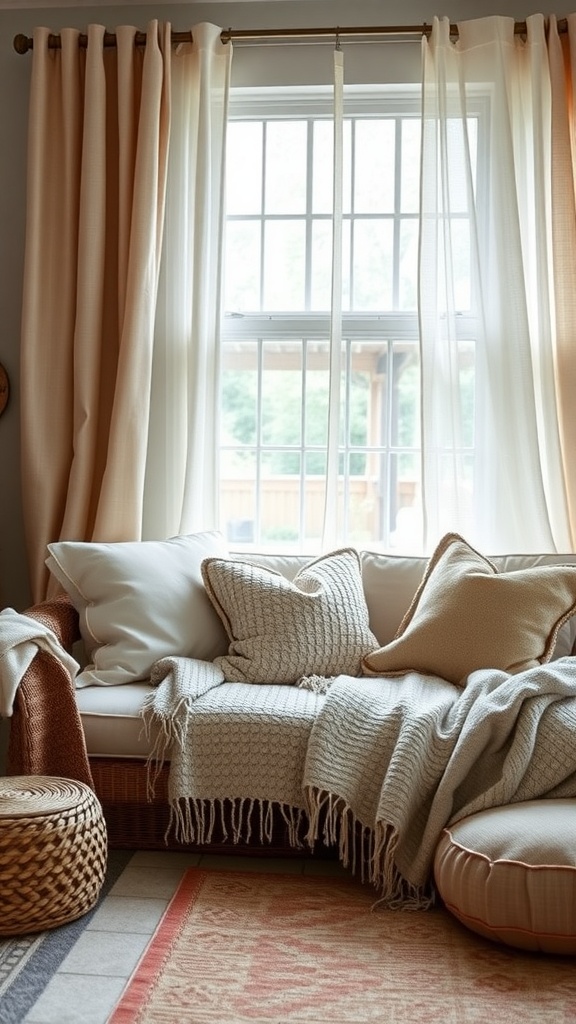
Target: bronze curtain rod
22	43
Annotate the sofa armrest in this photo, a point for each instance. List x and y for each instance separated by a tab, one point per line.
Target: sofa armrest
46	735
61	617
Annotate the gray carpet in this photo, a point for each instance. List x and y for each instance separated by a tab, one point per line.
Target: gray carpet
27	962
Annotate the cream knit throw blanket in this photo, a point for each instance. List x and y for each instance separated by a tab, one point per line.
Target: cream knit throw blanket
21	637
390	762
242	745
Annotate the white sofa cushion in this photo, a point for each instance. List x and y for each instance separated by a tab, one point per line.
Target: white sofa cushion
390	582
112	720
139	601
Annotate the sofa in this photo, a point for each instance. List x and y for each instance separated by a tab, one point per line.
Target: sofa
264	643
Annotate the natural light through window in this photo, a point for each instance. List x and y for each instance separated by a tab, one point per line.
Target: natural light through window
276	328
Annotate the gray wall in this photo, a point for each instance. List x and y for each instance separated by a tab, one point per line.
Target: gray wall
402	62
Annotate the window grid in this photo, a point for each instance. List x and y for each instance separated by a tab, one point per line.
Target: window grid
381	335
353	217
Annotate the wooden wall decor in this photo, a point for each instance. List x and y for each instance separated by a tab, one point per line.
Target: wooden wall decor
4	389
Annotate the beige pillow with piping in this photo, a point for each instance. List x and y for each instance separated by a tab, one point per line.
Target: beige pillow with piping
281	630
466	615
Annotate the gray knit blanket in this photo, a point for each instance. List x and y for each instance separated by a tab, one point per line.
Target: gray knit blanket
379	766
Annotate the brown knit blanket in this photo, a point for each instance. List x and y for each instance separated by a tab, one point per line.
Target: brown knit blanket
46	735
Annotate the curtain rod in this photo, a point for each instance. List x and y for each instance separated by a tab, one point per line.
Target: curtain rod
22	43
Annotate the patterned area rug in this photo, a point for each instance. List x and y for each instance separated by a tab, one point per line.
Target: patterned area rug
27	962
275	949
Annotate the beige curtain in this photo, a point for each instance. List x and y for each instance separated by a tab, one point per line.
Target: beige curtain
97	157
562	58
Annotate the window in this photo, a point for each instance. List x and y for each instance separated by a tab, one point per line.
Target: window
275	355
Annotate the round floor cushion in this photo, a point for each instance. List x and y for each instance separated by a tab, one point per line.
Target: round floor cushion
53	852
509	873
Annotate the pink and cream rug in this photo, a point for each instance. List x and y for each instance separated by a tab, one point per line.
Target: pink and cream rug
237	947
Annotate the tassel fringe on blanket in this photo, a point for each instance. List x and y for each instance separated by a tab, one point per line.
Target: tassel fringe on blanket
196	820
369	853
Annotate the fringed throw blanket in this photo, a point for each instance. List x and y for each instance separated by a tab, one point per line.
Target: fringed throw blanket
385	764
239	745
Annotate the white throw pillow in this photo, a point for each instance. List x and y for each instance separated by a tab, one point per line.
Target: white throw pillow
139	601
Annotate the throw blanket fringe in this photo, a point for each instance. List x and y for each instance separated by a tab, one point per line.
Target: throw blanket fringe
397	892
368	852
195	820
339	828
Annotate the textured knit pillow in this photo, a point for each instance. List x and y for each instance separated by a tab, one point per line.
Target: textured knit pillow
139	601
466	615
280	630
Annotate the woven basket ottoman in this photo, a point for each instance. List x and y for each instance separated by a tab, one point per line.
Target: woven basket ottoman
53	852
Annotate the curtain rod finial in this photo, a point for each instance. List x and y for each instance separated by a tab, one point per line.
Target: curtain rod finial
22	44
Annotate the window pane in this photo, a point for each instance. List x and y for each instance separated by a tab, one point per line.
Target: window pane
374	166
361	506
285	265
238	502
405	396
455	254
316	402
460	231
314	496
244	167
373	264
280	501
286	143
410	174
405	512
239	395
282	404
408	265
242	266
457	169
321	265
323	175
364	422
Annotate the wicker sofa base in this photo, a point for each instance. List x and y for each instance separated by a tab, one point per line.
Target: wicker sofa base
136	823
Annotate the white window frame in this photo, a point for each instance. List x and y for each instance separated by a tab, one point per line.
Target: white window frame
390	326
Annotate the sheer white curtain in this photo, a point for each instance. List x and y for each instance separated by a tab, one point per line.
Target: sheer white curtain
180	490
492	456
331	524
